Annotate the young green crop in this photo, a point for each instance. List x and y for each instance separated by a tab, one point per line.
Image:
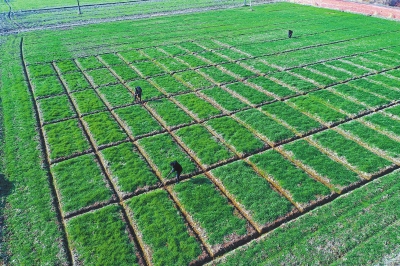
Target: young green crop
271	86
164	231
148	68
148	90
66	66
153	53
300	185
128	169
138	120
173	50
192	47
169	84
238	70
372	138
100	237
217	75
293	81
46	86
171	64
321	163
89	63
252	95
192	61
356	71
232	54
376	88
104	129
55	108
170	113
87	101
225	99
323	80
264	125
80	183
193	79
294	118
75	81
214	58
201	108
111	59
163	150
239	175
383	122
362	96
39	70
310	105
102	77
260	66
210	210
204	144
116	95
133	56
65	138
394	110
366	63
355	154
125	72
323	68
386	80
236	135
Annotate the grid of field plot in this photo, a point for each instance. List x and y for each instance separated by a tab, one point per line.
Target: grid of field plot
261	138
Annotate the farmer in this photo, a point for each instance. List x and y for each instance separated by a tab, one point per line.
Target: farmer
176	167
138	93
290	33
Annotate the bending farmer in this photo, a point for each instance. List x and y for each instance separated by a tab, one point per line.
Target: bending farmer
176	167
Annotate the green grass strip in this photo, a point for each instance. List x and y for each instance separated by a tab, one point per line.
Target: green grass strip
75	81
192	47
394	110
133	56
260	66
238	70
170	112
65	138
46	86
55	108
214	58
80	183
366	63
383	122
390	82
192	61
172	64
293	81
225	99
339	75
294	118
87	101
217	75
300	185
210	210
201	108
194	79
204	144
323	80
169	84
164	231
128	168
67	66
102	77
362	96
148	68
148	90
112	59
125	72
353	69
90	62
265	125
231	54
40	70
238	175
117	95
356	155
271	86
153	52
236	135
104	128
341	103
321	163
376	88
100	237
252	95
173	50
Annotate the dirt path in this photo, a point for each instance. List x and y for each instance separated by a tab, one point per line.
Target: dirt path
366	9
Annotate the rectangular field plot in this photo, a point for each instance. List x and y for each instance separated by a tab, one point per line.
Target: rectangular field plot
321	79
210	210
192	61
87	101
111	59
116	95
169	84
80	183
162	150
386	80
133	56
104	129
339	75
198	106
264	204
40	70
390	94
204	145
125	72
316	109
138	121
170	113
148	68
193	79
300	122
298	83
259	66
47	86
192	47
236	135
90	62
373	139
265	126
359	60
224	99
338	102
394	110
272	87
353	153
148	90
128	169
250	94
384	123
172	65
55	108
363	97
217	75
75	81
334	172
100	237
65	139
173	50
301	187
232	54
101	77
238	70
66	66
163	230
212	57
153	52
354	70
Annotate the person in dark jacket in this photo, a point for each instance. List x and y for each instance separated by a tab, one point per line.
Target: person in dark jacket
138	93
176	167
290	33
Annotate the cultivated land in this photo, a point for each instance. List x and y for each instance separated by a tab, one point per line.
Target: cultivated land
266	128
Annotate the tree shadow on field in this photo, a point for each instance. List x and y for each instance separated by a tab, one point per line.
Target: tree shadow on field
6	188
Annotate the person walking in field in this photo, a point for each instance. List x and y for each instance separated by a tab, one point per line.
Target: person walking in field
290	33
176	167
138	94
